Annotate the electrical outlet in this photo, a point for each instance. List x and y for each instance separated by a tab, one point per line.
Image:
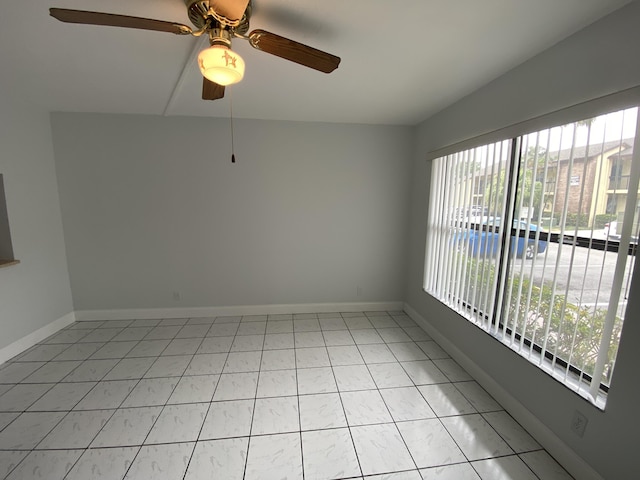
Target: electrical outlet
177	296
579	423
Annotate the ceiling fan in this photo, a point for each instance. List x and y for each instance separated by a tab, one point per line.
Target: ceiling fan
220	20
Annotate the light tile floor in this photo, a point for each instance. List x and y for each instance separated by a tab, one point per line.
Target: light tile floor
326	396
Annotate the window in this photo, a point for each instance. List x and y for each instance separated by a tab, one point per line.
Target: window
538	259
6	247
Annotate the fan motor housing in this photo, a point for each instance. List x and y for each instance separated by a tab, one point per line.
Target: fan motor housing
198	12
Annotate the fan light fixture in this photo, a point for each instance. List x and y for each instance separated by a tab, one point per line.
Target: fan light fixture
221	65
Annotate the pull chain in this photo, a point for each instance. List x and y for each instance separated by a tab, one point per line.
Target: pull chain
233	155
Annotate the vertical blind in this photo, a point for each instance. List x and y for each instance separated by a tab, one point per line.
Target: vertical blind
533	239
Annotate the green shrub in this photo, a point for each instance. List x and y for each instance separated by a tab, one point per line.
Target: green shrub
603	218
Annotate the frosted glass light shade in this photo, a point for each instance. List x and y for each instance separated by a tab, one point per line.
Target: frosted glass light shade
221	65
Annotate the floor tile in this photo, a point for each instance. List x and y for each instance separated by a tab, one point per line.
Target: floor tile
275	415
273	457
76	430
460	471
103	464
116	324
26	431
393	335
281	326
278	341
345	355
145	322
252	328
446	400
328	324
280	316
196	389
366	336
114	350
216	345
353	377
321	411
416	333
49	465
102	335
407	352
278	359
365	407
131	333
52	372
10	460
173	321
182	346
130	368
193	331
433	350
206	364
224	459
236	386
544	466
6	418
91	370
254	318
475	437
316	380
127	427
383	323
358	323
63	396
376	353
308	325
21	397
163	332
277	383
336	338
243	362
478	397
389	375
406	475
18	371
161	462
406	404
248	343
308	339
511	431
380	449
106	395
504	468
429	443
168	366
424	372
150	392
67	336
312	357
178	423
42	353
452	370
201	321
329	454
223	330
228	419
148	348
79	351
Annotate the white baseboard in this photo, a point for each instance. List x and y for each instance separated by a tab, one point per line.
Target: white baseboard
193	312
30	340
570	460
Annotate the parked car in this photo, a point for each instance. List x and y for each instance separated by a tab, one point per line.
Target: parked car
481	240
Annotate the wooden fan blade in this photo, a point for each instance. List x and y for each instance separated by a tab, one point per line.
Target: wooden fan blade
231	9
211	90
293	51
111	20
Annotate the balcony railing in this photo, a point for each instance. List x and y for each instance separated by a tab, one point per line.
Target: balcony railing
620	182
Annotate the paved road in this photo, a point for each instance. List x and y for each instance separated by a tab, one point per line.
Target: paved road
588	282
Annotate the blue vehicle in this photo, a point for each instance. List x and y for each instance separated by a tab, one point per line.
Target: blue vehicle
485	239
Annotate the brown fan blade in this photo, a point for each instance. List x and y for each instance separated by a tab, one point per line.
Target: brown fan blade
211	90
293	51
231	9
111	20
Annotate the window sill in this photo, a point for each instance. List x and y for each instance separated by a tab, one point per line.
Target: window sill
8	263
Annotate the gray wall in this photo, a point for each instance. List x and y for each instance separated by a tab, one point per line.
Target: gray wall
599	60
35	292
309	212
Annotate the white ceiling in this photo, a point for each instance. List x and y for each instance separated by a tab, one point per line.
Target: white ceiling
401	61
